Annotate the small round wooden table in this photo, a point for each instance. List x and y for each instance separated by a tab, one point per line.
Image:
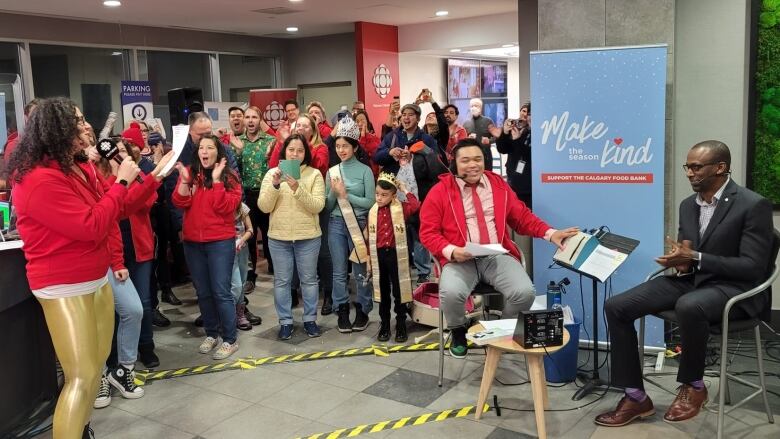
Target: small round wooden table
533	358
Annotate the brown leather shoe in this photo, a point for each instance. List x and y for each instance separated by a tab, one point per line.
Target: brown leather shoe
688	403
627	410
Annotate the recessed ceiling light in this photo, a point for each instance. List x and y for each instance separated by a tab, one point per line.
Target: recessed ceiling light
454	50
292	29
442	13
508	45
116	53
295	1
112	3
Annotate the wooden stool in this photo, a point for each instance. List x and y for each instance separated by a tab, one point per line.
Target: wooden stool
533	358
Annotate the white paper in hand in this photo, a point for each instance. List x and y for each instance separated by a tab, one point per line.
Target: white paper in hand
180	133
478	250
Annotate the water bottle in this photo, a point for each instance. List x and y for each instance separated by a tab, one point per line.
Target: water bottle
553	295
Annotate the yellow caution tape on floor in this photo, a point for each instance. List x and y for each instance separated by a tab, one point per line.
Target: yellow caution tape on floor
144	376
395	424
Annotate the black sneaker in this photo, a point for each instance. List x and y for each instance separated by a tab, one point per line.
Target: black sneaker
159	319
104	394
361	319
384	331
249	286
422	279
343	314
123	379
458	344
147	356
400	331
167	296
253	319
198	321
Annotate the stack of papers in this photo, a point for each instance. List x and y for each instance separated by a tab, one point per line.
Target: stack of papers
495	330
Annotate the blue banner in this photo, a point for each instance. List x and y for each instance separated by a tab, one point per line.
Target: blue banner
598	160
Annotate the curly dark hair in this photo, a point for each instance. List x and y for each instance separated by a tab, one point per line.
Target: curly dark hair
306	151
48	134
228	177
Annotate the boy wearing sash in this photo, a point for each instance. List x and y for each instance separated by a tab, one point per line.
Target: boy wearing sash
389	254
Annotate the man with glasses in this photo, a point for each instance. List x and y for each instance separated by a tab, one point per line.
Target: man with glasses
722	249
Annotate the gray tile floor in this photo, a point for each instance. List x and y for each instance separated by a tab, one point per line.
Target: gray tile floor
299	399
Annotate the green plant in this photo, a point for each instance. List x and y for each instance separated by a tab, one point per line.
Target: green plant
766	165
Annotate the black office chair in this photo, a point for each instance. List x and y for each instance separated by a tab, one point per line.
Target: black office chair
481	289
730	326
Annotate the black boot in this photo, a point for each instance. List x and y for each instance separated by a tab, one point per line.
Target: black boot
88	433
400	331
327	304
147	356
384	331
167	296
361	318
159	319
343	313
253	319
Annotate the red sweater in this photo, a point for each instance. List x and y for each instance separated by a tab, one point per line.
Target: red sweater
370	142
65	223
444	203
209	213
319	157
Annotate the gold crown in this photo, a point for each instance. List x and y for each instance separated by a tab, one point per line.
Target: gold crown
388	177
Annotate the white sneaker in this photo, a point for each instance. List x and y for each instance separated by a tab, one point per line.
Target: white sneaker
123	379
104	394
225	350
208	344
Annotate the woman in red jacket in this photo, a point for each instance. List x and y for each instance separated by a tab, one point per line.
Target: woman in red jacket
209	193
65	218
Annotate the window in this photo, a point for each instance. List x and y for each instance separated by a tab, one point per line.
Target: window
168	70
239	74
90	76
9	71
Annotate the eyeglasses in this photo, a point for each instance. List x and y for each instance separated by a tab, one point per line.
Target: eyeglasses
696	168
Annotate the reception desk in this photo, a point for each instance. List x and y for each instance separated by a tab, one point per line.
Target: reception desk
27	366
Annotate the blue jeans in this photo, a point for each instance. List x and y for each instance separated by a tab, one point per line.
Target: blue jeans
421	257
141	274
211	268
288	255
240	270
341	246
128	305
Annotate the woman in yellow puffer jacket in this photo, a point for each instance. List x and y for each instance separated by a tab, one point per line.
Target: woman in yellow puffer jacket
294	232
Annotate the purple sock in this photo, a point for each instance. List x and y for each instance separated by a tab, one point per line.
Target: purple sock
698	384
638	395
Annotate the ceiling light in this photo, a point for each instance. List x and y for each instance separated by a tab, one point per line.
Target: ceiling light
295	1
442	13
501	52
112	3
292	29
454	50
508	45
116	53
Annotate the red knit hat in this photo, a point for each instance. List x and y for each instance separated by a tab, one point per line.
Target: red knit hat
134	135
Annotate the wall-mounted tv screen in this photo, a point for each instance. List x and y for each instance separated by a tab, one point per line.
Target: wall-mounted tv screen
494	77
463	79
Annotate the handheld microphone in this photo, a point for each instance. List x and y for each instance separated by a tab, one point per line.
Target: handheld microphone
109	125
108	150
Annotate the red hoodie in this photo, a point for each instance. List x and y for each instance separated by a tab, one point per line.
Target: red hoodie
65	223
138	204
209	213
444	203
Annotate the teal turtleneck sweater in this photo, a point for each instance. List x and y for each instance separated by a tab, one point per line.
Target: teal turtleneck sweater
359	181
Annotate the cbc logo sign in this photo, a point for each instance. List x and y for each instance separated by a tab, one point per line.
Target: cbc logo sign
382	80
274	114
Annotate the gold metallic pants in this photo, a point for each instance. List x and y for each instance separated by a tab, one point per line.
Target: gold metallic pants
81	328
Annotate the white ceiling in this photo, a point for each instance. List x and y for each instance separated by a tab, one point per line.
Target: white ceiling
312	17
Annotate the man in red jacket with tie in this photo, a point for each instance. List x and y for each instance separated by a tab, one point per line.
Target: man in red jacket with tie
474	205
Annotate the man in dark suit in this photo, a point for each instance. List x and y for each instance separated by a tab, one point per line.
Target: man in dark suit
723	249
